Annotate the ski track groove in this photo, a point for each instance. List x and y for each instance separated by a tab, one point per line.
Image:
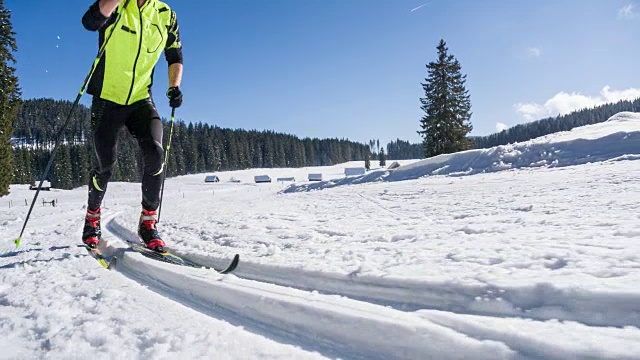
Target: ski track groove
537	302
331	325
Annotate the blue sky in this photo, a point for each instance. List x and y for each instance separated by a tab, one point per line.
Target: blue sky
352	68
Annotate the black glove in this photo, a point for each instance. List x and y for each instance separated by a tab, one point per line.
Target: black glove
175	97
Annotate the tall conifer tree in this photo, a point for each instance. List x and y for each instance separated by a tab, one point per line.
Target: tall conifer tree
447	106
382	158
9	97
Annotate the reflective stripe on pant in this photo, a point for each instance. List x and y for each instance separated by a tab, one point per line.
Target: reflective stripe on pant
143	122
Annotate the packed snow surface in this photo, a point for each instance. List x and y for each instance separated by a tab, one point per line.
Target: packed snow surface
524	251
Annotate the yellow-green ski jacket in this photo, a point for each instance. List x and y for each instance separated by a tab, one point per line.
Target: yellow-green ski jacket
124	74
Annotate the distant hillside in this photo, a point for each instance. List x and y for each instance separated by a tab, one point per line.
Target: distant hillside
616	139
532	130
38	121
523	132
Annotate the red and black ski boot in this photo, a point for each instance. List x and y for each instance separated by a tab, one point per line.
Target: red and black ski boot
148	232
91	233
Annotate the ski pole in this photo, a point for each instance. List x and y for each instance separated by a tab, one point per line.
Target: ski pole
67	121
166	161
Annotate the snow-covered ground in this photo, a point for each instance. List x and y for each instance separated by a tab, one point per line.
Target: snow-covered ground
525	251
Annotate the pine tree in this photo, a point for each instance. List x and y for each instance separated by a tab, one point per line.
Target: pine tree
382	158
62	178
367	161
9	97
447	106
19	173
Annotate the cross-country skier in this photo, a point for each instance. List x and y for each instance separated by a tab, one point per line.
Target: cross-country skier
121	89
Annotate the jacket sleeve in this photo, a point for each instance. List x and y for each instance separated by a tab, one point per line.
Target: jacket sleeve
173	47
93	19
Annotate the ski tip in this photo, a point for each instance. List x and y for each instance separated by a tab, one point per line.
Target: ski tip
18	241
232	266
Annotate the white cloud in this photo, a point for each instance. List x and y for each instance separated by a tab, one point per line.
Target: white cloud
534	51
627	12
501	127
530	111
564	103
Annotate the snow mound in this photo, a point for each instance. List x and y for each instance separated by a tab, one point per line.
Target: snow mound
618	138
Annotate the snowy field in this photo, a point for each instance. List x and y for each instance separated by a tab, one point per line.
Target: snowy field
524	251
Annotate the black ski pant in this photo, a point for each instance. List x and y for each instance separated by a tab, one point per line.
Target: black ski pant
143	122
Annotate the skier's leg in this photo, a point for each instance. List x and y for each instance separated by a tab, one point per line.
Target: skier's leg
106	121
105	126
145	125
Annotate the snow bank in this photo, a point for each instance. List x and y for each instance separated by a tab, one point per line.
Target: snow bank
617	138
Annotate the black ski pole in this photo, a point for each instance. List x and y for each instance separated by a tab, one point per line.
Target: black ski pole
166	161
67	121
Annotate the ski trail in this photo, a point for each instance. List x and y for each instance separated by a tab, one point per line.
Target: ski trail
501	330
332	324
399	216
570	340
535	301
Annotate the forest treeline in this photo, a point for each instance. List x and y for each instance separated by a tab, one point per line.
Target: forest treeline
198	148
195	148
